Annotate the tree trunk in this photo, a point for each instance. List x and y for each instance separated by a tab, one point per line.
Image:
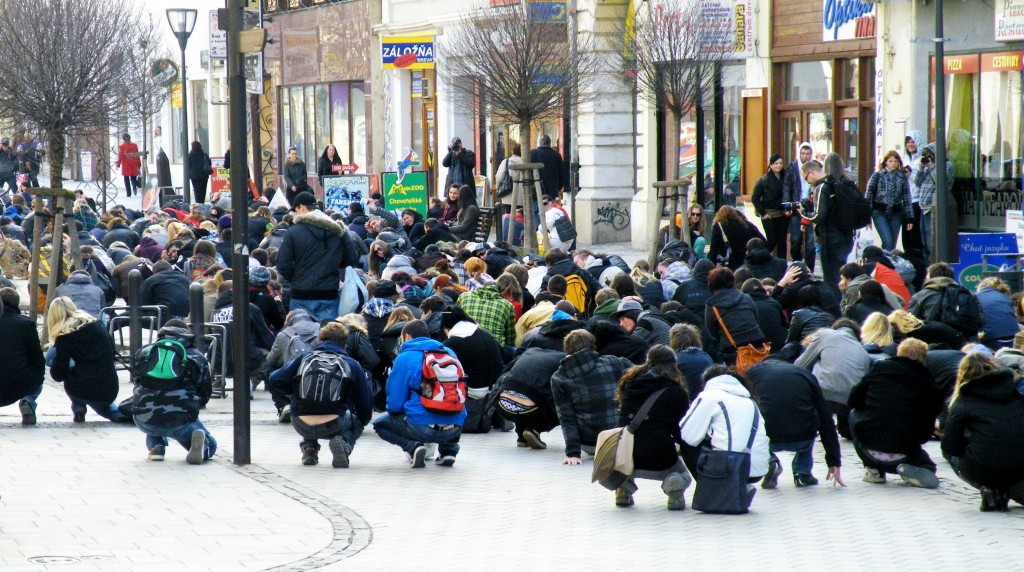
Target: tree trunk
654	204
57	144
529	222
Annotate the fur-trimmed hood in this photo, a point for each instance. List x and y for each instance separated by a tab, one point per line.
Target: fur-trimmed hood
319	219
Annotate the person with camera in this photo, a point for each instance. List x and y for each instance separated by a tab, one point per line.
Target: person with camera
888	193
8	166
835	243
767	198
30	157
794	190
460	163
927	183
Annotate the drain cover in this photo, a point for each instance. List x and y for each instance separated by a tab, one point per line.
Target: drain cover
53	560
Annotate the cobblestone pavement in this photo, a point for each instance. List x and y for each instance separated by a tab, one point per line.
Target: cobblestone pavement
84	498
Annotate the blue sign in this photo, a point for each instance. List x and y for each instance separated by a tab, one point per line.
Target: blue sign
972	246
549	12
411	53
838	13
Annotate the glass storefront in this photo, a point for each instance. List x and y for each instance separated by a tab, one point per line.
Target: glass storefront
983	135
314	116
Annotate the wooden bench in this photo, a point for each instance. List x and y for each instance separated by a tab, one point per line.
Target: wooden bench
484	224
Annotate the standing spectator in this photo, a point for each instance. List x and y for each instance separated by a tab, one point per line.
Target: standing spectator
794	413
834	243
889	195
584	391
796	189
729	237
927	182
127	160
983	437
767	199
21	361
654	444
460	163
8	166
328	165
407	423
552	176
30	157
295	177
83	361
505	176
313	257
199	170
468	218
330	398
911	165
893	414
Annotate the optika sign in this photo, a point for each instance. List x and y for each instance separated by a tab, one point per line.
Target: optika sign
847	20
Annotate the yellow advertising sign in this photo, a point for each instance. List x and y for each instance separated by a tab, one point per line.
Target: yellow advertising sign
176	95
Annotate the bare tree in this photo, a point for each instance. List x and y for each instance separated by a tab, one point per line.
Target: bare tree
674	51
518	63
65	73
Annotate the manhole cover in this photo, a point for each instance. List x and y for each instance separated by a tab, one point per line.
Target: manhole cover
53	560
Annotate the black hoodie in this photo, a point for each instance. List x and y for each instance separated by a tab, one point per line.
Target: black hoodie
654	446
896	404
552	335
693	294
739	315
612	340
762	264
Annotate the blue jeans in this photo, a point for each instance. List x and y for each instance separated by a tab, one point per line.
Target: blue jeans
31	398
833	256
803	461
347	425
398	431
801	242
107	411
926	235
157	435
888	227
319	309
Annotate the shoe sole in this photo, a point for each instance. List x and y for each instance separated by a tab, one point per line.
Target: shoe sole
309	461
285	417
156	457
533	440
418	457
624	502
447	462
28	415
929	481
340	460
771	480
197	450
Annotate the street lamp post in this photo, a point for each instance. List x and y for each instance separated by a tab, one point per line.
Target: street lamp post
182	21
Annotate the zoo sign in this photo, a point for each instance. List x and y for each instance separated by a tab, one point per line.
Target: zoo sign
407	53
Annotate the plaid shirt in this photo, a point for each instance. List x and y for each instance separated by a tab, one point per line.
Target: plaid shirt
492	312
584	392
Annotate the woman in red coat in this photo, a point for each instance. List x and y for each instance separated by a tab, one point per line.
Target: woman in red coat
130	163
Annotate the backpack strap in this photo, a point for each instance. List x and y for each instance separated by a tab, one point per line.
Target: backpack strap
644	410
724	329
728	425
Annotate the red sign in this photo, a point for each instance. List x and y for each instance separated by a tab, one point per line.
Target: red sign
221	180
349	168
148	199
1000	62
960	64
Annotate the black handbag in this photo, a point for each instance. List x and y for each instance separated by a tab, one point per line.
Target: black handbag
722	475
564	229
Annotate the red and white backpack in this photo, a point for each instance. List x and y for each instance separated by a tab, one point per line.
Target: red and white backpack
443	383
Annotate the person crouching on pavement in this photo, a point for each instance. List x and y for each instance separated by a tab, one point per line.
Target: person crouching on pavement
172	383
330	397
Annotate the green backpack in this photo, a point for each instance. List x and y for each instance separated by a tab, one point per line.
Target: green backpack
162	365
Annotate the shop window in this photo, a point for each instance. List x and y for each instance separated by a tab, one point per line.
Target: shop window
359	126
849	79
315	116
340	118
808	81
323	123
202	114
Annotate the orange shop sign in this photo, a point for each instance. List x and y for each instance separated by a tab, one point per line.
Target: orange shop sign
958	64
1001	62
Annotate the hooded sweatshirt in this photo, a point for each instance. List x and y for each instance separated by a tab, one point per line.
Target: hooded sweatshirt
738	313
298	325
694	293
404	383
705	418
913	160
674	275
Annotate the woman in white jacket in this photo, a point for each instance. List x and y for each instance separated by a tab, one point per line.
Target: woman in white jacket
706	421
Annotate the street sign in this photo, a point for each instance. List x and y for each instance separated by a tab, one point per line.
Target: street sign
549	12
411	193
218	38
349	168
164	72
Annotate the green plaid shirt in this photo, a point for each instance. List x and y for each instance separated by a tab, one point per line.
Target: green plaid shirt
492	312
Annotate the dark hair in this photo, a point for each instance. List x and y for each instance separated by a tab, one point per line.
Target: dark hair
940	270
714	371
337	156
721	278
808	296
756	242
467	197
775	157
851	270
517	149
161	266
624	285
416	329
847	323
260	256
750	284
197	147
453	316
662	360
742	274
567	307
557	285
871	287
10	297
670	306
432	304
554	256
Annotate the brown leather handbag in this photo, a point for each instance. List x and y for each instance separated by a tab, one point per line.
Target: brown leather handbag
747	356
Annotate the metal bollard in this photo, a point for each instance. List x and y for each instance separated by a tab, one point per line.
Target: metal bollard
134	315
196	311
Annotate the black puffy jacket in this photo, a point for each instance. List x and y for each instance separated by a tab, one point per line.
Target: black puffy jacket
806	321
21	360
896	404
313	256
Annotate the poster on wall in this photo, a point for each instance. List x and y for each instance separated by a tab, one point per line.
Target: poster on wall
1009	20
409	193
342	190
847	20
972	246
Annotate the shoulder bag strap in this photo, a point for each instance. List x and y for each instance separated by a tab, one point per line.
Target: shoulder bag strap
728	425
644	410
753	427
725	237
724	329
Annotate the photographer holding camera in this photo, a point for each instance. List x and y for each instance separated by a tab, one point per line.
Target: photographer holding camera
767	198
925	179
460	163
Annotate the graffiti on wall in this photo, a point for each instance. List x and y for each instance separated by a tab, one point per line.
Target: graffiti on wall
614	214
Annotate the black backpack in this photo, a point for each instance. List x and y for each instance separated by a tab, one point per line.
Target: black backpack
677	249
163	365
959	308
652	294
322	378
505	188
850	210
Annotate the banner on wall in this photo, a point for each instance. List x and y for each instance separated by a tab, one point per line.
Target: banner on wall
407	52
1009	20
411	193
847	20
972	246
343	190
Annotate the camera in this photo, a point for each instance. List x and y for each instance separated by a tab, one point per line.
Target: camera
925	161
790	206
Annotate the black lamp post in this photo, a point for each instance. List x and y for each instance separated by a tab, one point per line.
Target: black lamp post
183	21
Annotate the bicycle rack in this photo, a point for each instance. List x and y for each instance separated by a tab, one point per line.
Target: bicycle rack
217	334
117	319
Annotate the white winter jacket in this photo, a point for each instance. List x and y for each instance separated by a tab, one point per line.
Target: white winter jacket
705	418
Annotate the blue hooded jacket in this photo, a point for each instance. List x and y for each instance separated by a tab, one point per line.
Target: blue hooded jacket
404	382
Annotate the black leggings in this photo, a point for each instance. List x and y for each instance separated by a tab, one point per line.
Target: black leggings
199	190
131	183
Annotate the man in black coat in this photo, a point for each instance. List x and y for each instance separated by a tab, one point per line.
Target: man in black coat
167	287
21	359
559	264
120	232
761	263
552	176
313	257
794	412
460	163
893	414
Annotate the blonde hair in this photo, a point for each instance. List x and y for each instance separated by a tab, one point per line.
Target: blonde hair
904	321
399	315
354	322
876	330
64	317
508	284
640	275
475	267
914	349
995	284
971	367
